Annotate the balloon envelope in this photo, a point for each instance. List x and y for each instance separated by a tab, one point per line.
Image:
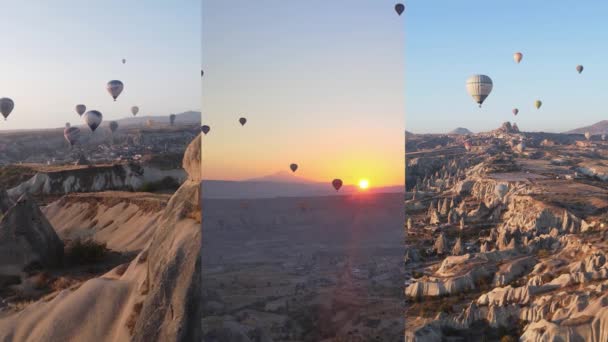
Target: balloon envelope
515	111
6	106
517	57
399	8
587	135
93	119
293	167
172	119
80	109
538	103
242	121
579	68
205	129
114	87
337	184
479	87
113	126
124	61
134	110
71	134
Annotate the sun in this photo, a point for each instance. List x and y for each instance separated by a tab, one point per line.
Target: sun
363	184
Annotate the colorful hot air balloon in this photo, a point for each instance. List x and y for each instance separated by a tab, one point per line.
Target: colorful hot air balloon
113	126
579	68
71	134
6	106
467	145
293	167
515	111
80	109
205	129
479	87
114	87
337	184
134	110
399	8
242	121
93	119
172	119
517	57
538	103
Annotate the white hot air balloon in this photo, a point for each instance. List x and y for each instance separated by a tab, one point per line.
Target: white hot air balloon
114	87
517	57
134	110
6	106
93	119
587	135
501	190
479	87
80	109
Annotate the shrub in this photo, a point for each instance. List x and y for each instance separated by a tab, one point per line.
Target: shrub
85	251
167	183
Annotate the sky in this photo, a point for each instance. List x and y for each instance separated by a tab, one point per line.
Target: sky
321	84
447	41
57	54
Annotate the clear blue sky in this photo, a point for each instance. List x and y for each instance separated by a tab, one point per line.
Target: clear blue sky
56	54
447	41
320	82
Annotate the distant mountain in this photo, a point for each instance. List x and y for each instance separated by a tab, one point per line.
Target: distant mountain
271	189
190	117
281	177
597	128
460	131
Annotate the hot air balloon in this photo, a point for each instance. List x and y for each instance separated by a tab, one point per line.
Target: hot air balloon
337	184
467	146
293	167
93	119
603	137
149	123
71	134
124	61
6	106
538	103
500	190
172	119
517	57
67	125
479	87
242	121
587	135
114	87
80	109
205	129
202	73
515	111
113	126
399	8
579	68
134	110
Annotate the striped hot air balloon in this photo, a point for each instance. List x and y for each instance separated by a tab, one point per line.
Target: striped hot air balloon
479	87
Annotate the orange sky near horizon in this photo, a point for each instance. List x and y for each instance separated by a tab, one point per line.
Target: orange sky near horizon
316	99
